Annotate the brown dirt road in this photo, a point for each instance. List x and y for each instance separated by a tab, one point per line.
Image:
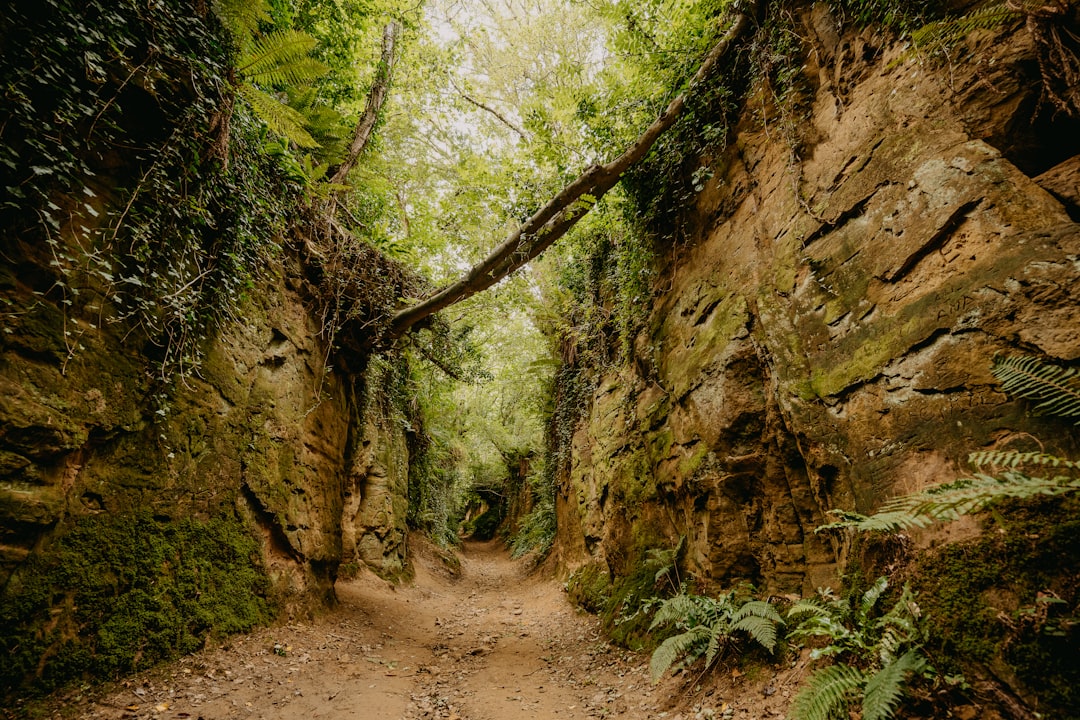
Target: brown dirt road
496	642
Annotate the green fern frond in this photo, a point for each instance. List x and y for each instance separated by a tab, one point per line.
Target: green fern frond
675	647
950	501
943	33
241	17
280	58
761	629
968	495
717	637
1057	389
820	619
892	640
1015	458
885	689
904	611
882	521
663	561
828	694
870	597
808	606
675	609
758	608
280	118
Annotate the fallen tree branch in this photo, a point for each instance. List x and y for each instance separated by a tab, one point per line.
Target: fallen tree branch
573	202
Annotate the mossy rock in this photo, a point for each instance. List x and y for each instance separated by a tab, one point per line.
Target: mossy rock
117	593
589	587
623	618
983	600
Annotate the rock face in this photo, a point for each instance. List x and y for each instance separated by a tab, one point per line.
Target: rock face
292	470
824	336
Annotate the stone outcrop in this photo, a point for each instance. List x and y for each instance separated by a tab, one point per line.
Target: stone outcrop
823	335
263	441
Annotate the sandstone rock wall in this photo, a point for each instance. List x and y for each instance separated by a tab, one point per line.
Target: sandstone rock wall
263	441
823	335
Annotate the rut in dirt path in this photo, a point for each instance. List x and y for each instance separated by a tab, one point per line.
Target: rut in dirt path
493	643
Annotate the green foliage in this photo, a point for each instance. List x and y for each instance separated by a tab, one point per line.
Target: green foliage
877	652
242	17
168	234
664	563
1016	458
884	690
949	501
434	480
828	693
988	600
118	593
942	34
1055	388
897	15
536	531
278	60
710	626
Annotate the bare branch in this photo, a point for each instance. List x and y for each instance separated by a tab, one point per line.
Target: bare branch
487	108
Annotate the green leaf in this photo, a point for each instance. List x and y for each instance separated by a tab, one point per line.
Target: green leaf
828	694
885	689
675	647
280	118
1056	388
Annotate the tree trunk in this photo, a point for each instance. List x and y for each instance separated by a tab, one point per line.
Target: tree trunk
375	101
572	203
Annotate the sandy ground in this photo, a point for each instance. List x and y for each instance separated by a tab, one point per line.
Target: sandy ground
494	642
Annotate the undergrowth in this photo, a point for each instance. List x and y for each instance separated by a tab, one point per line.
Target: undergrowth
111	118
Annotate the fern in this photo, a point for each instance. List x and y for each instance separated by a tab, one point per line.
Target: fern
665	563
864	637
949	501
242	17
762	629
675	647
1014	459
679	608
813	607
869	598
885	689
1056	388
940	35
709	626
829	693
280	58
276	60
279	117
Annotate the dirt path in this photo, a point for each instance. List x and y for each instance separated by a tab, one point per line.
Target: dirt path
493	643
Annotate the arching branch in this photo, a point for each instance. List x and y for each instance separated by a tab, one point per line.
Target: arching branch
573	202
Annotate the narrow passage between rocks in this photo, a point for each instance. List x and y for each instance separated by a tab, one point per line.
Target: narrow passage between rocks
495	642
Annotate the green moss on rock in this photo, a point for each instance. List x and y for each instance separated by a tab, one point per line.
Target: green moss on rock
118	593
983	597
589	587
